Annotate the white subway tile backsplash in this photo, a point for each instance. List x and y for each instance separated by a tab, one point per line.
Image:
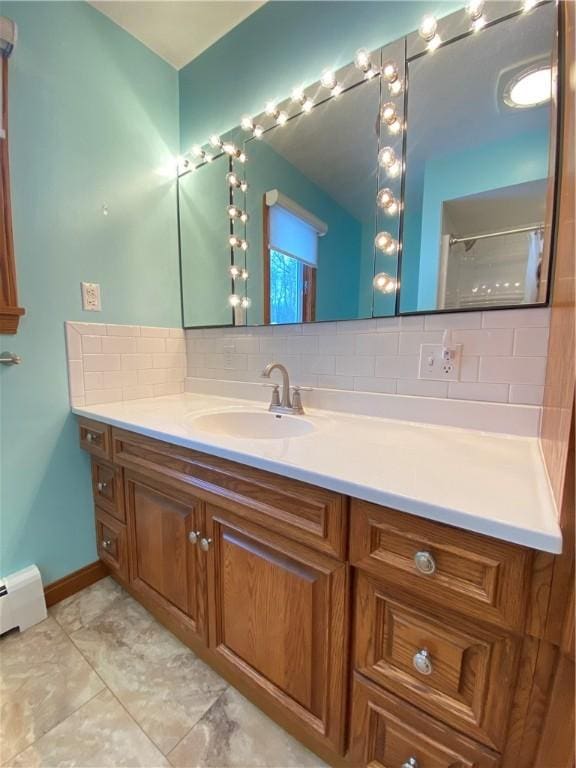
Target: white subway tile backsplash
485	342
513	370
303	345
526	394
335	382
494	393
92	345
318	364
149	345
372	384
101	362
440	322
538	317
116	361
167	361
412	323
123	330
411	341
376	344
354	365
469	368
422	388
397	366
133	362
531	342
118	345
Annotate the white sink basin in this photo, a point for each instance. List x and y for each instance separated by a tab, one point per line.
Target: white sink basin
253	424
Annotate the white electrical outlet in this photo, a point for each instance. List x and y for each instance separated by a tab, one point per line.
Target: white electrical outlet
91	297
440	363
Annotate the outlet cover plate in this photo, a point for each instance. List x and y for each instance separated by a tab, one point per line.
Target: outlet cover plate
91	297
433	366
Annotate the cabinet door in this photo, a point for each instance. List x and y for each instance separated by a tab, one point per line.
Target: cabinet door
278	613
164	563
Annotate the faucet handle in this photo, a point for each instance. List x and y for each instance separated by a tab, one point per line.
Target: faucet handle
275	393
297	400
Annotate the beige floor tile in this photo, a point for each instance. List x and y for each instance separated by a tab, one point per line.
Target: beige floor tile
99	734
235	734
81	609
163	685
43	679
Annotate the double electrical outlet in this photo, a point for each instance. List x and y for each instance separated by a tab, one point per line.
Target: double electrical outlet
440	362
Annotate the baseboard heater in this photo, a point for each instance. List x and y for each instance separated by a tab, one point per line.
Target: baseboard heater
22	602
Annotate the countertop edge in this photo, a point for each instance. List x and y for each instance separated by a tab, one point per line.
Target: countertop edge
547	541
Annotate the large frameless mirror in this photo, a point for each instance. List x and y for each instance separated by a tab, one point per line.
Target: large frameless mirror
480	169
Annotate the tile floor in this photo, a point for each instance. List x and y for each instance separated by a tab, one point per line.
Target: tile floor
101	683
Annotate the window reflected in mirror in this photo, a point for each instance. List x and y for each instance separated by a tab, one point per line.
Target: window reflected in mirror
479	169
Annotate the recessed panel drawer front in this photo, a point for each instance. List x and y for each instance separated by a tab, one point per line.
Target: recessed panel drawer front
387	733
313	516
107	488
448	667
111	542
95	438
479	576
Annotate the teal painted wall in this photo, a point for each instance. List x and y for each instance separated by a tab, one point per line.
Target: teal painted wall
448	177
339	251
282	45
93	115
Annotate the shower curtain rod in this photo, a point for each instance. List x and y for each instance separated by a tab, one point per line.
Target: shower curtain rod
518	230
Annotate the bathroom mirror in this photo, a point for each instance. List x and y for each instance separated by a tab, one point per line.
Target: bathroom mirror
480	157
310	201
204	249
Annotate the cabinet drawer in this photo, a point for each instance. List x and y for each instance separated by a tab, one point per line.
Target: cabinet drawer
313	516
111	542
450	668
387	733
95	438
107	489
479	576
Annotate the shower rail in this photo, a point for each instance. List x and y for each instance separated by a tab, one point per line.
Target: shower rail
517	231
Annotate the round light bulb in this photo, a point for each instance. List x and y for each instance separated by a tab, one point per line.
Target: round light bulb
258	131
328	79
233	211
395	127
390	72
434	43
428	28
246	123
388	113
475	9
384	282
208	158
197	151
244	217
241	157
395	88
234	300
244	274
246	302
385	242
234	241
270	108
362	59
370	73
232	179
234	271
243	185
244	245
282	118
386	157
307	106
394	170
337	90
385	198
229	148
215	141
298	93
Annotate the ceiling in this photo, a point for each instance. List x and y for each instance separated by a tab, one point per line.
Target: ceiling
177	30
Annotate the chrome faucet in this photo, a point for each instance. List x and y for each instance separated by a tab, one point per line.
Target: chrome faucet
289	402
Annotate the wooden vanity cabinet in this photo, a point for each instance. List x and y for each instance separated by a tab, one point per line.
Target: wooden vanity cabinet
375	637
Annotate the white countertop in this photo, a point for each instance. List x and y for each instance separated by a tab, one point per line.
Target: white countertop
489	483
